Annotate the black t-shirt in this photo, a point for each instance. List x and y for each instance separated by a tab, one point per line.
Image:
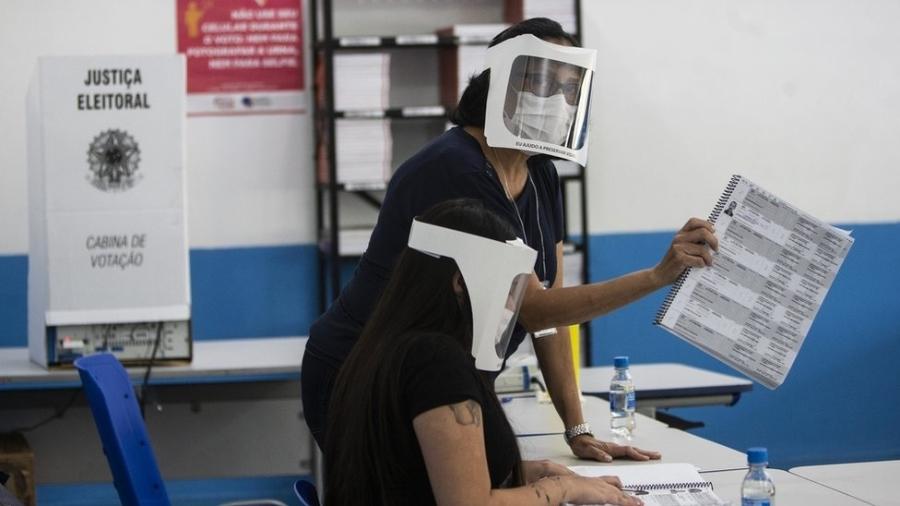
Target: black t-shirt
438	372
452	166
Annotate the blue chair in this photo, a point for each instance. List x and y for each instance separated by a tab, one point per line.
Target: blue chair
306	492
122	432
124	436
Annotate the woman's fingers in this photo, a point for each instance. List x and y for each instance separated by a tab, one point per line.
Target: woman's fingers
586	447
638	454
611	494
692	246
631	452
693	255
698	236
695	223
612	480
598	453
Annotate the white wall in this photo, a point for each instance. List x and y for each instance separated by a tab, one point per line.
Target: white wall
250	182
802	97
249	178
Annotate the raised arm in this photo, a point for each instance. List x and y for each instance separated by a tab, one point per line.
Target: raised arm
452	442
559	307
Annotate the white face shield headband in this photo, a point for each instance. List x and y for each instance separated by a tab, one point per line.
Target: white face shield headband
495	273
539	97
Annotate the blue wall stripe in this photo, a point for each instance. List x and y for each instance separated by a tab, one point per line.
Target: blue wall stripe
236	292
840	401
254	292
210	492
838	404
13	300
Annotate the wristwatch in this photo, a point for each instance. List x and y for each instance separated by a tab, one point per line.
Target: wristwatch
578	430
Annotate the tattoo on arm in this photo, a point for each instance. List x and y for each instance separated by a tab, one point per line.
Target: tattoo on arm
467	413
539	489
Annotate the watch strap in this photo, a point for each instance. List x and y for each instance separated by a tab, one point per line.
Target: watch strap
577	430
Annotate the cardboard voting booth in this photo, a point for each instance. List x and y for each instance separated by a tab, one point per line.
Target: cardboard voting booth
108	251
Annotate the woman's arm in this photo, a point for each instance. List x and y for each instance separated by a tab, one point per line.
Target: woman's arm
535	470
452	442
558	307
554	355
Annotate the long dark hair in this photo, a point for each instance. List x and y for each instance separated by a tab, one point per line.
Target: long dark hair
472	104
362	447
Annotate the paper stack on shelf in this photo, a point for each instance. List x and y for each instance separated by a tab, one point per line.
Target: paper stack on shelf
460	63
561	11
361	81
352	241
473	33
364	149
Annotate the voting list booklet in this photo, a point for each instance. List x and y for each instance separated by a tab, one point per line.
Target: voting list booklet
754	306
660	484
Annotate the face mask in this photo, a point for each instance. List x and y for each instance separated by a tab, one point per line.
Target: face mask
546	119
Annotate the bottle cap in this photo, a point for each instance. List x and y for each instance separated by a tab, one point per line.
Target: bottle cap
757	455
620	362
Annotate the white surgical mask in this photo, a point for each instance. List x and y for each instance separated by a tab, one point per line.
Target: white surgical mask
539	97
546	119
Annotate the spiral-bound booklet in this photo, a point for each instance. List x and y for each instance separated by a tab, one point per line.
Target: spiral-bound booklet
661	484
753	308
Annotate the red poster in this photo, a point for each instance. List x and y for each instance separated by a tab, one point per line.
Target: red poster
243	56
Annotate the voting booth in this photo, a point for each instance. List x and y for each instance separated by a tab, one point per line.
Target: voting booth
108	250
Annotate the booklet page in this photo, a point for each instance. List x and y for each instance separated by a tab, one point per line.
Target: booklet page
660	484
754	306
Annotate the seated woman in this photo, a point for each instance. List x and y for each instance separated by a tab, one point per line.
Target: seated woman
413	419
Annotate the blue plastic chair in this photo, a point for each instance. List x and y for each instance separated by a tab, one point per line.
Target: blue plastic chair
124	437
306	492
122	431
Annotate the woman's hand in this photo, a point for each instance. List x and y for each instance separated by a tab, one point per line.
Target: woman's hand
534	470
690	248
587	447
600	490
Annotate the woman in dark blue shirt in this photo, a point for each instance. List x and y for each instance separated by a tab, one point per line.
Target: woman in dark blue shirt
526	191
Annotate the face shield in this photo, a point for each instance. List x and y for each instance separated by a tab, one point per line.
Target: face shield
495	273
539	97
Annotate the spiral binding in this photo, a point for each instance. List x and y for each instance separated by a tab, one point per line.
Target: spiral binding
723	200
713	216
669	486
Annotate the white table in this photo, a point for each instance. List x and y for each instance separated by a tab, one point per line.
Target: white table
872	482
669	385
528	416
218	361
675	446
790	490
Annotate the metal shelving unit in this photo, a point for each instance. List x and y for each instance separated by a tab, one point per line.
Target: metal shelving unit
328	211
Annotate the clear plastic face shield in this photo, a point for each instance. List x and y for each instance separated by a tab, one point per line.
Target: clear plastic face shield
496	274
539	97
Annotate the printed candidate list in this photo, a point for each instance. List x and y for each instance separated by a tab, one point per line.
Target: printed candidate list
754	306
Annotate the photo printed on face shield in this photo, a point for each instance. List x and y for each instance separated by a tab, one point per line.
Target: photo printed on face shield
542	100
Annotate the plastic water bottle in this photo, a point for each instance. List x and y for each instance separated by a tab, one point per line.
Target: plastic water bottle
621	399
757	488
